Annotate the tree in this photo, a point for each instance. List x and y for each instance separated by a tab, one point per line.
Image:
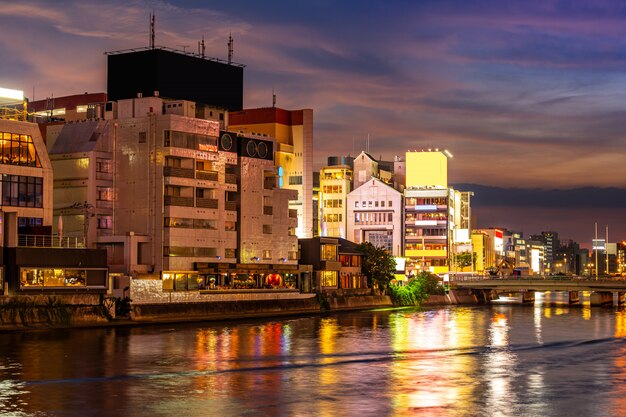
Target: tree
416	290
378	265
463	259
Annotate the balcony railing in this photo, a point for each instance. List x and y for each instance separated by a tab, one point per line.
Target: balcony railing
207	175
269	183
293	213
230	205
178	172
206	203
268	210
171	200
230	179
50	241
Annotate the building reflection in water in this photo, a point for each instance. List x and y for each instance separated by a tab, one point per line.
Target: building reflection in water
618	403
500	364
432	373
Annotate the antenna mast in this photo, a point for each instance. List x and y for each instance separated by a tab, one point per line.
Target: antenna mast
230	48
152	22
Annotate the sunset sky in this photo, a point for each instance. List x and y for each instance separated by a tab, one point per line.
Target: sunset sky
526	95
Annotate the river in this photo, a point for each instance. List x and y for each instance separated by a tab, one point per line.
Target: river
499	360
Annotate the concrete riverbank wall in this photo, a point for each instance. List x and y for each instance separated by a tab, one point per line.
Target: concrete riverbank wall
40	311
59	311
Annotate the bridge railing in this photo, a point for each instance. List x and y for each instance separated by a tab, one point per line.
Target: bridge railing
477	277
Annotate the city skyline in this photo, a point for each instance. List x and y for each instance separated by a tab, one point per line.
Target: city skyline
526	97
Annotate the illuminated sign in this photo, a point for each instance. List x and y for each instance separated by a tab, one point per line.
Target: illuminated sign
207	147
598	244
426	222
425	207
12	94
400	264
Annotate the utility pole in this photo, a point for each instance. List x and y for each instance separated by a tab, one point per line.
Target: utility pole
86	207
606	249
596	249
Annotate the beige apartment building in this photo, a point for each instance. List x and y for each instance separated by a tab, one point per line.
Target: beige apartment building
171	195
293	132
335	185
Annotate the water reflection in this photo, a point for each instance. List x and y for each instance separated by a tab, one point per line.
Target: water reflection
502	360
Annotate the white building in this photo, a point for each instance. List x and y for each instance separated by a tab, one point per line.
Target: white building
375	214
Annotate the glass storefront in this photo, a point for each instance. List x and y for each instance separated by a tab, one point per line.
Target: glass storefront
62	278
181	281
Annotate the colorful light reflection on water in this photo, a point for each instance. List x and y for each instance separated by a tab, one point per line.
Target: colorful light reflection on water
543	360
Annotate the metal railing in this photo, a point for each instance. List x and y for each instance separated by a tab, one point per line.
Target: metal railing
50	241
178	172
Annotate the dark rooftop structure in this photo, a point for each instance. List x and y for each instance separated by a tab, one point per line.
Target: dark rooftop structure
176	75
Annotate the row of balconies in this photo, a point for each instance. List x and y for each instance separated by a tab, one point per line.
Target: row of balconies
198	174
211	203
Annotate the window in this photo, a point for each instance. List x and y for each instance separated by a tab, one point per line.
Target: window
172	190
22	191
35	277
105	222
230	253
328	278
190	140
180	281
382	204
267	254
356	204
390	204
328	252
29	221
104	194
230	226
16	149
267	229
103	165
176	251
295	179
142	137
292	255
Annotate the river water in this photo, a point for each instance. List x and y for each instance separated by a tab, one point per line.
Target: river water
499	360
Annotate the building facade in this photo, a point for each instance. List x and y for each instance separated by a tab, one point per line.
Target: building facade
335	185
293	132
375	215
172	196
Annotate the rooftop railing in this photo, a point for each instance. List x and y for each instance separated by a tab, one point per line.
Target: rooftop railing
50	241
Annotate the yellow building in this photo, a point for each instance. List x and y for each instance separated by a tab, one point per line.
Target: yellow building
426	169
431	216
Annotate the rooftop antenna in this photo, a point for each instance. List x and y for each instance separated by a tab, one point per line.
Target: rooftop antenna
203	47
152	20
230	48
368	143
273	98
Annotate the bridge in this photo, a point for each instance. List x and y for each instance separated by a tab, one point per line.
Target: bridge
604	291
